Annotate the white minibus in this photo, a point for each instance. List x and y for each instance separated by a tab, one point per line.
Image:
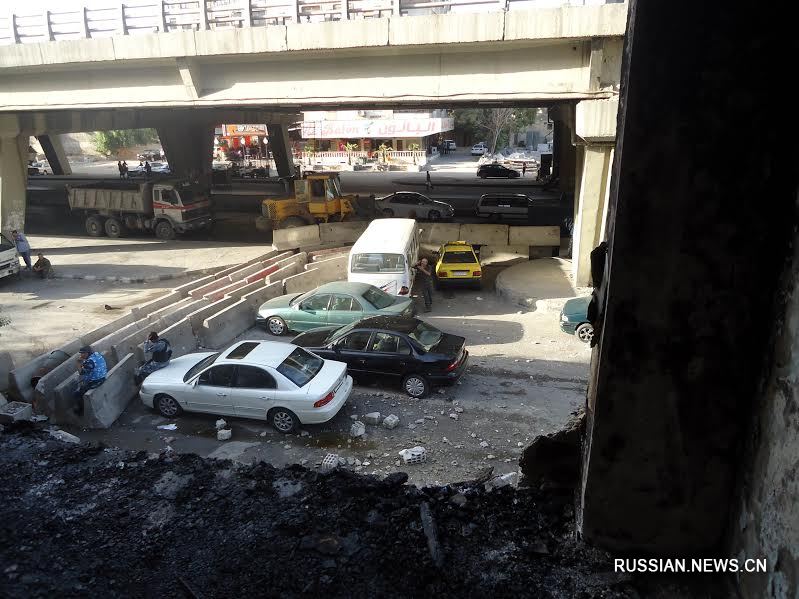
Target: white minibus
9	262
384	255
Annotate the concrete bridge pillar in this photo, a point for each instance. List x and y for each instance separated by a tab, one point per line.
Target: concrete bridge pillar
591	208
280	147
188	145
54	150
13	181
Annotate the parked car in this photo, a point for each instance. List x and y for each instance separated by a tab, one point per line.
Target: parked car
150	155
336	304
574	319
409	204
158	168
458	263
503	205
266	380
497	171
395	349
479	149
449	144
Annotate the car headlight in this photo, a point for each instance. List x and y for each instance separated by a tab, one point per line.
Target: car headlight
564	318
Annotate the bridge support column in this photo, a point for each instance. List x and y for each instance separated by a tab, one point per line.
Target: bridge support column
13	180
280	147
54	150
591	209
188	146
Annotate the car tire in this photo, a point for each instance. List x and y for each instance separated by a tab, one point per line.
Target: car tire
434	215
585	332
388	213
276	326
164	230
94	226
283	420
114	228
167	406
415	385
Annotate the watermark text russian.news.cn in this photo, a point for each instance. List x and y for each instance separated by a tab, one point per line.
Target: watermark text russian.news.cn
682	565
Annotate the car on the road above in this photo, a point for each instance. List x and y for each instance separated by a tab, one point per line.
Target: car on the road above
479	149
574	319
157	168
409	204
265	380
337	303
393	349
497	171
504	205
458	263
449	144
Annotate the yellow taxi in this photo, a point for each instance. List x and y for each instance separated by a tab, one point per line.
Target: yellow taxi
458	263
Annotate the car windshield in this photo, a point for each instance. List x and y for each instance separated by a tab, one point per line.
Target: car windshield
427	335
378	298
199	366
300	367
301	296
191	193
461	257
340	332
5	243
374	262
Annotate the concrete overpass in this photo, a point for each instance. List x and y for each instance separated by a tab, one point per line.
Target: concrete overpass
183	76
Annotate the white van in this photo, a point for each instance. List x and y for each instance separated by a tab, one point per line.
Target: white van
384	255
9	262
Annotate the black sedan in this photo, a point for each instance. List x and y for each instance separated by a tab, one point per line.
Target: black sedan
497	170
400	349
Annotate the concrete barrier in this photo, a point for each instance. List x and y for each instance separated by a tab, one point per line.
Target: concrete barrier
335	267
221	328
6	366
157	304
297	237
197	317
288	267
103	405
303	281
435	234
537	236
348	232
495	254
181	339
109	327
245	271
106	345
61	405
19	379
484	234
317	255
43	395
218	294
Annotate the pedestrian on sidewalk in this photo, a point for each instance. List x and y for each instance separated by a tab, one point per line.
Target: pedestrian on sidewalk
429	183
23	247
124	169
524	168
121	170
425	277
148	169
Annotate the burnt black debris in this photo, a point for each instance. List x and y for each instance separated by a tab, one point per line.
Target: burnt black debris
79	520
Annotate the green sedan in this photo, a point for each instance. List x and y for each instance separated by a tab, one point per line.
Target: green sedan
336	303
574	319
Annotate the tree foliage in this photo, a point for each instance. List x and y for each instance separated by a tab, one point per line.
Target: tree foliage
494	125
110	142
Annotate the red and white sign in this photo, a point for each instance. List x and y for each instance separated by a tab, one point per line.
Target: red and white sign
376	128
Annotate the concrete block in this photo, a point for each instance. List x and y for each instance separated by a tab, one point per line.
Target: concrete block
218	294
303	281
154	306
221	328
496	254
100	332
207	289
484	234
103	405
348	232
61	405
317	255
538	236
297	237
50	386
187	288
391	421
63	436
358	429
372	418
15	410
6	367
249	288
179	312
20	377
181	338
261	274
334	268
197	317
282	273
258	297
435	234
245	271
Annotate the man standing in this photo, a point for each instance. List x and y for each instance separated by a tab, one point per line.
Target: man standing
425	278
43	268
23	247
161	353
124	169
148	169
121	170
429	183
524	168
92	371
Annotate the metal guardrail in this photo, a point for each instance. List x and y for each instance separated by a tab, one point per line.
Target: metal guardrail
161	16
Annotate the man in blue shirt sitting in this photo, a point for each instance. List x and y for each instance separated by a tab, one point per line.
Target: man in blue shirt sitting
92	373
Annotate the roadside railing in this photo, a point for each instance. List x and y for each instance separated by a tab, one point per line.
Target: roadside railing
103	19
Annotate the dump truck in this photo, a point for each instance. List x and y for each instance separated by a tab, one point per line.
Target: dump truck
166	207
316	198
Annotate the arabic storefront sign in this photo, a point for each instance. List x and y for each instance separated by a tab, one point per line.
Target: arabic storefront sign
239	130
378	128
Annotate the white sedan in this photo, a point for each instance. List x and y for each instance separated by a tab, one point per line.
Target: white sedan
267	380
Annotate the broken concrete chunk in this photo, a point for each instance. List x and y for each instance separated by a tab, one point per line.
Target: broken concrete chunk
483	443
63	436
357	429
224	434
459	409
453	415
414	455
15	410
420	421
372	418
500	481
391	421
459	499
220	424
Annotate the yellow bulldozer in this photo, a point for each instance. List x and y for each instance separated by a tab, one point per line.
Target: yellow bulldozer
317	198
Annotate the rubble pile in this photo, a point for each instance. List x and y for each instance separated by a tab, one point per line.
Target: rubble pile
78	520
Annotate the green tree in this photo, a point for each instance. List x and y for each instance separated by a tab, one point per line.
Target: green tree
110	142
350	148
497	124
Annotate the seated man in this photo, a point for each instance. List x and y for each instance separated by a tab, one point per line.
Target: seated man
92	373
161	353
43	268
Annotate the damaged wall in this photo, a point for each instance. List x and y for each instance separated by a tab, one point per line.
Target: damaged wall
767	520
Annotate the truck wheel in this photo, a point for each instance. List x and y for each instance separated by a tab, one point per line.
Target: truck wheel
164	230
94	226
114	228
292	222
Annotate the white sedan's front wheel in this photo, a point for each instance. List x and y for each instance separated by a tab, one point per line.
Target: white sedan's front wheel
167	406
284	421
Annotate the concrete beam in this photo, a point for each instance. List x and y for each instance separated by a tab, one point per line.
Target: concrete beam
592	206
188	145
280	147
54	150
13	182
